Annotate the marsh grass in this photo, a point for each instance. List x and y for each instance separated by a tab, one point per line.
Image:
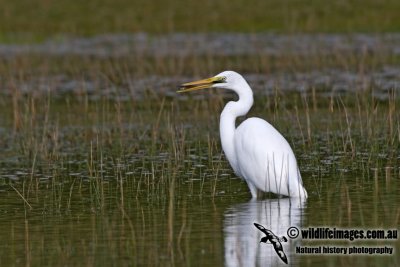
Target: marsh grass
122	70
159	135
44	19
137	169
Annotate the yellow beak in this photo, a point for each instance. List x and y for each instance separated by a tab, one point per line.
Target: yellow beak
201	84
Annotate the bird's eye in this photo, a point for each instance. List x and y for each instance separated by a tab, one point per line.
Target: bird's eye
220	79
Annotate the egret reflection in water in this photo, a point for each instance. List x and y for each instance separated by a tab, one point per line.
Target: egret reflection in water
242	238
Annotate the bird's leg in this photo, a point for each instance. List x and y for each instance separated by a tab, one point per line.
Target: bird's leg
253	189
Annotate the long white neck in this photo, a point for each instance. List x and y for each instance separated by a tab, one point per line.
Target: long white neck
232	110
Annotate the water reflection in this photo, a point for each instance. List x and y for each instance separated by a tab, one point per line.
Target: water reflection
242	238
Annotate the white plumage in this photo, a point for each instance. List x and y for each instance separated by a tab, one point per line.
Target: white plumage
256	151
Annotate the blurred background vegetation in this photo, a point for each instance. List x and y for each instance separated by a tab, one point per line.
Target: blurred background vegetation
27	20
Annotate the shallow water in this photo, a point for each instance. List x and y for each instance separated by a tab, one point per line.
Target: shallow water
101	173
326	83
99	192
132	67
186	230
183	44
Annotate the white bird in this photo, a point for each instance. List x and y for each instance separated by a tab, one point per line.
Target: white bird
257	152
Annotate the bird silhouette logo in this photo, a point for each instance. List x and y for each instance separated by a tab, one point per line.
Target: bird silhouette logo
274	240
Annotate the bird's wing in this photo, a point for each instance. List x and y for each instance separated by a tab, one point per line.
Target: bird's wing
268	233
264	157
279	250
261	228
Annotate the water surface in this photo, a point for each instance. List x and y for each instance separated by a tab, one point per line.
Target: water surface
112	168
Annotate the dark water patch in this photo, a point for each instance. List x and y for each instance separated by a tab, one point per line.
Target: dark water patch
223	44
326	83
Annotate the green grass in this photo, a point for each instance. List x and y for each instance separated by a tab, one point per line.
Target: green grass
24	21
140	182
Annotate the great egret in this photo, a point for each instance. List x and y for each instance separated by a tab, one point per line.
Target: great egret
256	151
